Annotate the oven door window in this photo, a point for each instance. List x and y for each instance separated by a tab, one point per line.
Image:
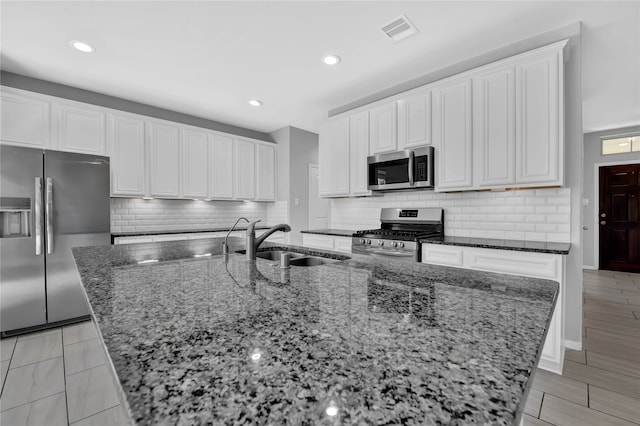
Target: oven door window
389	172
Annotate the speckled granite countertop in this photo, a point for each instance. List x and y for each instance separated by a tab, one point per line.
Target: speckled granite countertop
178	231
516	245
211	340
334	232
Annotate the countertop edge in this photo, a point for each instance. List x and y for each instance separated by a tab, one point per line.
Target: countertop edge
497	244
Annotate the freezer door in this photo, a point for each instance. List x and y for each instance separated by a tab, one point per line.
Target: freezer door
78	213
22	276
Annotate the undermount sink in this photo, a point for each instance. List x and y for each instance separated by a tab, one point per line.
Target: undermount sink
311	261
275	255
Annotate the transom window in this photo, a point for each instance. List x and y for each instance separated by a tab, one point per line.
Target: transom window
620	144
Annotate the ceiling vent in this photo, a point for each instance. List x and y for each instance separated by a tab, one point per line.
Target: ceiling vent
399	29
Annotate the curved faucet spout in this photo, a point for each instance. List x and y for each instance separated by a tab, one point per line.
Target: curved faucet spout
253	243
225	245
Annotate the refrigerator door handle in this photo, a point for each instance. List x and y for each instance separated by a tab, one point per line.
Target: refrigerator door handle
38	216
49	214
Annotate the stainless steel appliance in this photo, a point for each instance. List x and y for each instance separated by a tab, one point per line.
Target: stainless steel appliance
50	201
397	237
409	169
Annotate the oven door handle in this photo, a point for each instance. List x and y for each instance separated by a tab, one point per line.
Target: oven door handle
412	159
394	253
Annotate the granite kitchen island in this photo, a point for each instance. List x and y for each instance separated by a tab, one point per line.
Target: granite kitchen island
197	337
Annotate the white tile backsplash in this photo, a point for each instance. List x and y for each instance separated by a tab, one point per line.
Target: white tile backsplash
533	214
131	214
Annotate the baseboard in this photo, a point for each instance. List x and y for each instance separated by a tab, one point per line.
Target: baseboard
590	267
573	345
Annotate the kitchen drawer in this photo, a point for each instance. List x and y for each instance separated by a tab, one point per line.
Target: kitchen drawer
132	240
442	255
342	244
324	242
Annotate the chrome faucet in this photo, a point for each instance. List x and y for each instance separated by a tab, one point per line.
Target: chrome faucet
253	243
225	245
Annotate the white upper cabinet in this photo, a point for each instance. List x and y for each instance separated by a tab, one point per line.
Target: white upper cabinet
334	158
195	163
494	127
222	166
383	128
414	120
358	152
539	119
79	128
164	160
265	172
244	170
452	134
126	146
25	119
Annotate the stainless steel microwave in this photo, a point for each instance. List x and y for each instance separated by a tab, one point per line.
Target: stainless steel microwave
410	169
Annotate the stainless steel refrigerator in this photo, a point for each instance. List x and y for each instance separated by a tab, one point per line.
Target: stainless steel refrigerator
50	201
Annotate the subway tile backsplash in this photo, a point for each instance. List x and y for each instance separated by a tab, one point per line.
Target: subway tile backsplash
533	214
130	214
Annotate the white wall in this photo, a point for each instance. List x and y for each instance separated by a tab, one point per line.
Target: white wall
592	156
535	215
134	214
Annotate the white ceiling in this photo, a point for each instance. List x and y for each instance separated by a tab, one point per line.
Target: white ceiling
207	58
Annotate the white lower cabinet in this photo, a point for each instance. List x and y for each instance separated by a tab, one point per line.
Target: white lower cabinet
536	265
327	242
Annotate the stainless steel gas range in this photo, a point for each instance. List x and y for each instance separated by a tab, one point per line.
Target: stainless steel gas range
400	229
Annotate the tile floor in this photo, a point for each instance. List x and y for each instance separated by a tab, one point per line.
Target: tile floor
600	385
60	376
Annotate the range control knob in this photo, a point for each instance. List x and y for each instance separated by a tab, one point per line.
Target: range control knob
380	242
400	245
362	241
395	244
368	241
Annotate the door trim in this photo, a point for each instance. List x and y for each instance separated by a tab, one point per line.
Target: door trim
596	206
311	166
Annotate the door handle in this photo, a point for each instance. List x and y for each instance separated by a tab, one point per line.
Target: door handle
603	215
603	222
48	214
411	162
38	216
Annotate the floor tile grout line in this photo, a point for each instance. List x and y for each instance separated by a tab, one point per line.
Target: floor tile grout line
81	341
605	370
36	362
64	376
95	414
541	402
31	402
84	371
9	367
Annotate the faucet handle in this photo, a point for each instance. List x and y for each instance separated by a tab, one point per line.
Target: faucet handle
252	226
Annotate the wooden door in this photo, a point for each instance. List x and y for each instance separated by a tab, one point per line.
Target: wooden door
619	218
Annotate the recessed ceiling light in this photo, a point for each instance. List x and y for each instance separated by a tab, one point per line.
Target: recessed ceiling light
82	46
331	59
255	103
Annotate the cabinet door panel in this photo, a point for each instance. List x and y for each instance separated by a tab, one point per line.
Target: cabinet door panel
266	169
80	129
452	135
383	129
538	121
245	160
195	164
334	158
126	137
324	160
494	127
359	150
25	121
414	121
164	149
221	172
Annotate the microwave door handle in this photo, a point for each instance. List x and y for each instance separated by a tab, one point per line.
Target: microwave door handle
38	216
48	214
411	161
